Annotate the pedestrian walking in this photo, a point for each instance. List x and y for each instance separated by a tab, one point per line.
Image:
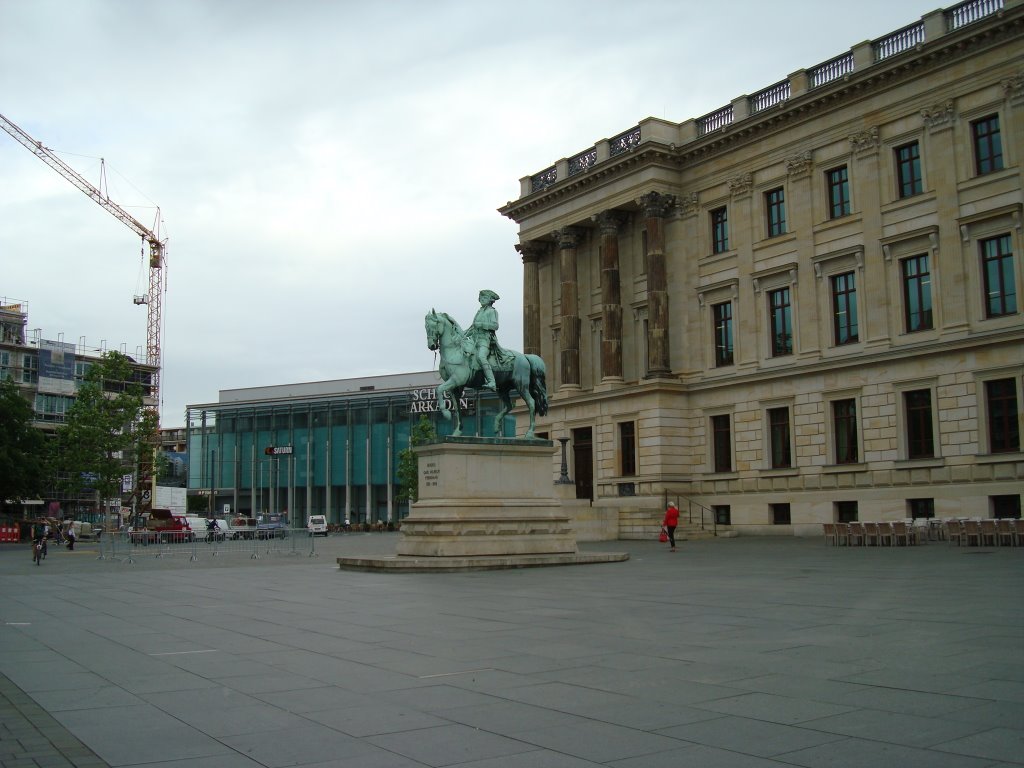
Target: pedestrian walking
669	524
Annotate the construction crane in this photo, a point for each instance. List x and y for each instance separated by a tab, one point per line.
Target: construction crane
157	260
157	247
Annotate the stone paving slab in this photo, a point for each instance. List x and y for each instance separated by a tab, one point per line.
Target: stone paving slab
745	653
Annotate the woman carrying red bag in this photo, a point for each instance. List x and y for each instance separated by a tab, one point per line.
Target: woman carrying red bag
669	524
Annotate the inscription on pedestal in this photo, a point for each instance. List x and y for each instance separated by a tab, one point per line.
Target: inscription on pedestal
431	474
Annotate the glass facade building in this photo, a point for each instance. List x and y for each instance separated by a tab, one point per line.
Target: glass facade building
322	448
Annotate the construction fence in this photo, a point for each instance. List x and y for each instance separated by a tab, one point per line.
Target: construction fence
129	546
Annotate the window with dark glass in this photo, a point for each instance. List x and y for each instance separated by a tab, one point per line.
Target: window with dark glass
778	435
1006	506
781	322
722	443
1003	416
775	206
844	309
920	441
838	184
723	333
723	514
846	511
908	170
988	145
627	447
780	514
921	508
30	369
844	428
720	230
997	267
917	293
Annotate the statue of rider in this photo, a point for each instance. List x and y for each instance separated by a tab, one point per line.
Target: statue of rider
482	333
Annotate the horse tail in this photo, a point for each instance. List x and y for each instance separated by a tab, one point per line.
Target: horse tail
538	384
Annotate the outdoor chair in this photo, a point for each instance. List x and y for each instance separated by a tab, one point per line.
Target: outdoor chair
900	531
829	529
972	530
856	535
871	534
1006	532
955	532
885	534
842	534
989	532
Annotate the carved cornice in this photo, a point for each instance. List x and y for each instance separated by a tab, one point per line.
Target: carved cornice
865	141
800	165
938	116
815	104
741	185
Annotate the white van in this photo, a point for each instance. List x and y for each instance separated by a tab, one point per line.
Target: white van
317	525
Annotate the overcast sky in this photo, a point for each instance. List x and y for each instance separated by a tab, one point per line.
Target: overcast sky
329	171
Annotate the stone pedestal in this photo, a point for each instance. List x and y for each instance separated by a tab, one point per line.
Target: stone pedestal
482	497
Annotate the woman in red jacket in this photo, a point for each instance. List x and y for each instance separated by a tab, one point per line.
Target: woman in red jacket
670	522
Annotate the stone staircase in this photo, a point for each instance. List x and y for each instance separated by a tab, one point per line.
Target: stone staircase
642	524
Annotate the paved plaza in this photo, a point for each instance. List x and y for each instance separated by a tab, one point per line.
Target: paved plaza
741	653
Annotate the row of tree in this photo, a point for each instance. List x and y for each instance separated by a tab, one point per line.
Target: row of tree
107	433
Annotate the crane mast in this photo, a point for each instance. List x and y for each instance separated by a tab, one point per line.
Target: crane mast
154	298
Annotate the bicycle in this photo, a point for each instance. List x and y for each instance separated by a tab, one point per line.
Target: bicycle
37	552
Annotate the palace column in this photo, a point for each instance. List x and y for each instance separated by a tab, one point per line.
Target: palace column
532	251
609	223
568	239
655	207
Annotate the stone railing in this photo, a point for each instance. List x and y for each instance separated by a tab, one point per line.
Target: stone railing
770	96
833	69
970	12
932	25
898	42
715	120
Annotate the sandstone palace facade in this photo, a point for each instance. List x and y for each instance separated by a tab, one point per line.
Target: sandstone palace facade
805	306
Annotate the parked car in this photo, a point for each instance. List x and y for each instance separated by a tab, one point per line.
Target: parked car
162	526
317	525
242	527
271	526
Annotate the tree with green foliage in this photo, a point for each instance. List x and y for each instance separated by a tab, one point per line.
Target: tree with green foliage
22	448
108	428
408	466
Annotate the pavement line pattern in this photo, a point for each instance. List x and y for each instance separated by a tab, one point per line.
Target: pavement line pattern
29	736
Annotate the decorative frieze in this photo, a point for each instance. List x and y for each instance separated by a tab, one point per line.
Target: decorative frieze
1013	88
799	166
689	204
865	141
938	116
741	185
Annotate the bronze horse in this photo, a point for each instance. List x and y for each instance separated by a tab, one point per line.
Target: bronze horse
459	369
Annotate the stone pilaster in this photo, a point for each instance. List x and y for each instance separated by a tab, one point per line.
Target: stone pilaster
568	240
532	252
655	207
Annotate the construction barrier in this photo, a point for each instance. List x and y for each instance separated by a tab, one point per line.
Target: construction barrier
9	533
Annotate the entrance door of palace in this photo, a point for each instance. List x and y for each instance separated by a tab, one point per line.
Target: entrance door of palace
583	462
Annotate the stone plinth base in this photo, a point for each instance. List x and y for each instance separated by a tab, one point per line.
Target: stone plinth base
484	504
480	497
